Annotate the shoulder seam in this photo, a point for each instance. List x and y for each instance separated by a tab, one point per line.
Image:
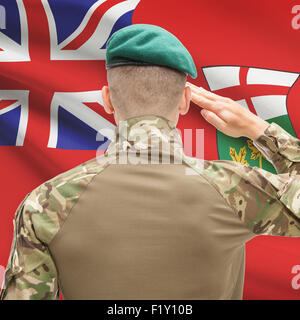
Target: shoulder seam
68	214
227	204
211	184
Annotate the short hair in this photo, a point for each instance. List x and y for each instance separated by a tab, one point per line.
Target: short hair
140	90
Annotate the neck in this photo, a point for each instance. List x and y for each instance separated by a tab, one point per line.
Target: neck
170	117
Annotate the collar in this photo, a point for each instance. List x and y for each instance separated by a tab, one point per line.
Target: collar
146	132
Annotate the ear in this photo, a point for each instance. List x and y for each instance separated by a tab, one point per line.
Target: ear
185	102
108	107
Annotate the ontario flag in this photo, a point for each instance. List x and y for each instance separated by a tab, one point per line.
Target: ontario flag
262	91
52	69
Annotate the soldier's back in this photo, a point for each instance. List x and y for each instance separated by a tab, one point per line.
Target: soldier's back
150	231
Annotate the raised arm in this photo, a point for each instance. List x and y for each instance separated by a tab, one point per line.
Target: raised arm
267	203
276	144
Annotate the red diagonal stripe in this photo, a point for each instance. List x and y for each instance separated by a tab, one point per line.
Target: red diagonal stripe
91	26
6	103
100	110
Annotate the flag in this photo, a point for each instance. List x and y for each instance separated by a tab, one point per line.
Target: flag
13	117
264	92
52	69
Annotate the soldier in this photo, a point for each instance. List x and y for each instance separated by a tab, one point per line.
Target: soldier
143	230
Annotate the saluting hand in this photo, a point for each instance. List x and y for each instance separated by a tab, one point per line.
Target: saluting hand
227	115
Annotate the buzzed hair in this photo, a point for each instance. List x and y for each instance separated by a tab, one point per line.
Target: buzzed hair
141	90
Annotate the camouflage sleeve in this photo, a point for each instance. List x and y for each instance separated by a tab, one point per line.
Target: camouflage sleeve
280	148
268	204
31	273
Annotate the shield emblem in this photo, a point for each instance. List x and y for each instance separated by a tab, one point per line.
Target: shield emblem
262	91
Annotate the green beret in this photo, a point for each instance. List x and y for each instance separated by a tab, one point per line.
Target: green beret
145	44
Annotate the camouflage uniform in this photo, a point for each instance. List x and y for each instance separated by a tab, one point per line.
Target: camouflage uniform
261	202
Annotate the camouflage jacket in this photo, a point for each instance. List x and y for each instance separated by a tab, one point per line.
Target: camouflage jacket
266	203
